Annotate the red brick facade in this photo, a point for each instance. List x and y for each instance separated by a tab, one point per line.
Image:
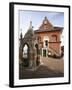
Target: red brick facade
51	35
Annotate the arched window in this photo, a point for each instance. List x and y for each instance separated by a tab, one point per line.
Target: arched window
54	37
46	43
25	51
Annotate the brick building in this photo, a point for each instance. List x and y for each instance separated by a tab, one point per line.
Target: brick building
49	38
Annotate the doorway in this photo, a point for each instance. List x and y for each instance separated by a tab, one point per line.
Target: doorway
44	53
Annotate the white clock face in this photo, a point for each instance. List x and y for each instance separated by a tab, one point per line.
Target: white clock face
45	22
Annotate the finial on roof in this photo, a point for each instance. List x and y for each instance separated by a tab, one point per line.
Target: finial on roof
21	34
30	25
45	18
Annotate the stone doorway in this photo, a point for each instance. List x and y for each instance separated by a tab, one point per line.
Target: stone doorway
44	53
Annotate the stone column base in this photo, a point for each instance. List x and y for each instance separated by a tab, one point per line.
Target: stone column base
32	63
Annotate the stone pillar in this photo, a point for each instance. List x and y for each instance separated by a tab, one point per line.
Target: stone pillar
20	57
32	61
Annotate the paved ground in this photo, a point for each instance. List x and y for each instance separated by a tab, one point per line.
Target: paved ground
49	68
54	64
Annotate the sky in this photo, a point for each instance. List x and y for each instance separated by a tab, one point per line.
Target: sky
56	18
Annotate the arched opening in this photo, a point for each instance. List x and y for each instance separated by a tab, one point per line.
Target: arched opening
25	51
26	55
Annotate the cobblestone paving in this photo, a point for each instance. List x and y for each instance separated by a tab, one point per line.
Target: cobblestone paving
49	68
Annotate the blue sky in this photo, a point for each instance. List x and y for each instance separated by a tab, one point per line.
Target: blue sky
56	18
